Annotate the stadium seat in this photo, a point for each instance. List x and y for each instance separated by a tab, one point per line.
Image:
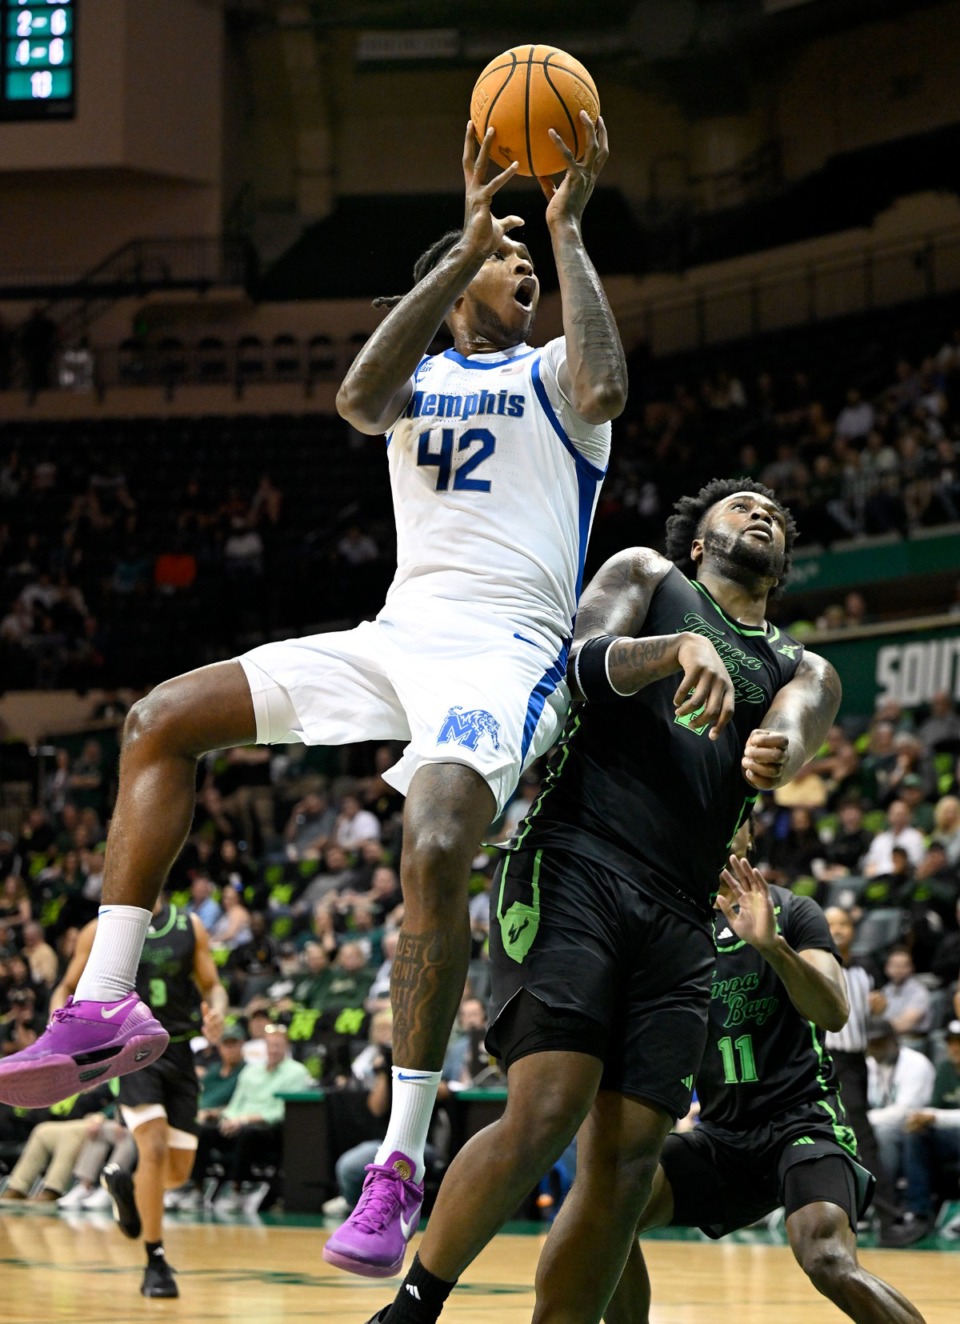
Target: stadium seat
878	930
285	357
844	892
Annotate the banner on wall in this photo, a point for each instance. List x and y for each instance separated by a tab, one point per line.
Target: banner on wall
909	666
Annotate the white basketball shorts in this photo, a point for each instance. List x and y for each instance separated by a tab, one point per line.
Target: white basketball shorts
458	690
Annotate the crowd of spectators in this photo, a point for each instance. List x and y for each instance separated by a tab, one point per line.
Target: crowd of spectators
101	540
851	458
294	874
293	871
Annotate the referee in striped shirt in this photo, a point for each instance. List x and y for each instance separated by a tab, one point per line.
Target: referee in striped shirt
848	1047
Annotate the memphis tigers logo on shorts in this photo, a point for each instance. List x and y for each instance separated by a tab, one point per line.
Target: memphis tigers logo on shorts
466	728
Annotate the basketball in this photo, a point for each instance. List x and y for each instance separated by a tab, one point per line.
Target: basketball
523	93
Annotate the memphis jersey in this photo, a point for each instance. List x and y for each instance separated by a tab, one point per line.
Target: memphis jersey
495	481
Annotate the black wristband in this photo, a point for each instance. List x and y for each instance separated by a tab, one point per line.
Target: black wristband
590	669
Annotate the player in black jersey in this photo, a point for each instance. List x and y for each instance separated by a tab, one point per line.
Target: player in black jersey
773	1131
691	704
177	978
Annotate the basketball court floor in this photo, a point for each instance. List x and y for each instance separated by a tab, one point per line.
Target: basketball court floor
250	1270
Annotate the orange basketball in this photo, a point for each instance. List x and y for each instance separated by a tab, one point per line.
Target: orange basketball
523	93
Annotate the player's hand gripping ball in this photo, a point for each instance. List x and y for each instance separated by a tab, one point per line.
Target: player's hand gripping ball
523	93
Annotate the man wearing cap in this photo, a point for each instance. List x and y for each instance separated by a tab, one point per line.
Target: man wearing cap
251	1123
900	1082
931	1142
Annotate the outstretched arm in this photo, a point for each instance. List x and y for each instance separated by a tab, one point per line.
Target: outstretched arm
614	607
795	725
594	377
377	386
813	977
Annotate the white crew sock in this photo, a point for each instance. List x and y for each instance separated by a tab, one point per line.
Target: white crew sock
111	969
414	1094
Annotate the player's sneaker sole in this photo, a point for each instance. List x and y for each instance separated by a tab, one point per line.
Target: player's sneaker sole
362	1267
85	1044
38	1085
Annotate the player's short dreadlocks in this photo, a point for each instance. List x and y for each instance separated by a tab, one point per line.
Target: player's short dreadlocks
687	522
427	260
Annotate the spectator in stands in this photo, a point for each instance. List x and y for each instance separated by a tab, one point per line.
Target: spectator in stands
879	760
378	795
857	612
250	1126
378	995
15	911
932	1142
945	962
54	1146
879	858
792	855
856	418
913	794
904	999
466	1058
941	729
232	929
310	826
843	854
946	824
11	862
56	792
253	965
838	764
355	824
211	819
930	898
351	979
337	875
311	988
202	901
39	955
910	761
900	1082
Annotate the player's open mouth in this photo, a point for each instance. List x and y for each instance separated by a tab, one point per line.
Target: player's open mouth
525	292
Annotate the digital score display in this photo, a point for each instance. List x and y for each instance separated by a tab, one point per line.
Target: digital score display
38	79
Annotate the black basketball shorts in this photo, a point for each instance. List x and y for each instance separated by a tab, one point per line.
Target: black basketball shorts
724	1179
171	1082
630	975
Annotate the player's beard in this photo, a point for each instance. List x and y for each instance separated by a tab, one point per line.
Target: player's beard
743	559
494	328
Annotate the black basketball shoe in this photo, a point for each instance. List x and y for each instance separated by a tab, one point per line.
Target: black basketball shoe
158	1278
119	1186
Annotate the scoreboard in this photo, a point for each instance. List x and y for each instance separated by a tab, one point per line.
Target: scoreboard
38	78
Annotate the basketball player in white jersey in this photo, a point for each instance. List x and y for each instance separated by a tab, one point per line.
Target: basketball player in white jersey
496	453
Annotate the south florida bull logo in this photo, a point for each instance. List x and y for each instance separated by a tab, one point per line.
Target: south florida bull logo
466	728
